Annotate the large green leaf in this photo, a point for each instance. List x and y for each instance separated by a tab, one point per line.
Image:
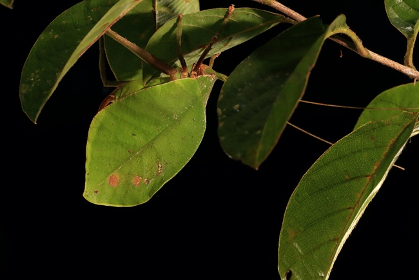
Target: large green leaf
199	28
333	194
390	103
138	26
61	44
403	14
138	143
7	3
263	91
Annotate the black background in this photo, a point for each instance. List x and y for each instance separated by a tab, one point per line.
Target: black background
217	219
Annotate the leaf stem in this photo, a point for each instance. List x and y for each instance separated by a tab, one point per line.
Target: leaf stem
282	8
102	66
142	54
310	134
181	58
213	40
408	57
353	107
412	73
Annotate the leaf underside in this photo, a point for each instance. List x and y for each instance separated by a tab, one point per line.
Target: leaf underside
254	111
61	44
333	194
138	143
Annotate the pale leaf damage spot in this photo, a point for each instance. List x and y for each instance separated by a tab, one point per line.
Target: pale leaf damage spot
113	180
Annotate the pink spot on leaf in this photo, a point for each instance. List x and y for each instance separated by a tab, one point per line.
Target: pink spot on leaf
113	180
137	180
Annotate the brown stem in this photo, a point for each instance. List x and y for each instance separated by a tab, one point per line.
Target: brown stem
213	40
102	66
144	55
412	73
181	58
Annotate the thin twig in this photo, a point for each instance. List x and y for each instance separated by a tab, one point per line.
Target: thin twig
325	141
412	73
313	135
181	58
353	107
142	54
102	66
213	39
282	8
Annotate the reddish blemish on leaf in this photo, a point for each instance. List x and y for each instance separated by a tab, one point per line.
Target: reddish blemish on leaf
347	177
137	180
292	232
146	181
113	180
95	191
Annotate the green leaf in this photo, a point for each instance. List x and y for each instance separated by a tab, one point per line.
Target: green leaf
138	26
403	97
263	91
138	143
199	28
333	194
169	9
61	44
7	3
403	14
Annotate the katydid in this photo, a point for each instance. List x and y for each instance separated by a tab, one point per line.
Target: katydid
197	69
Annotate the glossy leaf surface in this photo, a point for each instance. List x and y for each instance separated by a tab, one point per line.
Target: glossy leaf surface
138	26
138	143
403	14
61	45
403	97
333	194
199	28
263	91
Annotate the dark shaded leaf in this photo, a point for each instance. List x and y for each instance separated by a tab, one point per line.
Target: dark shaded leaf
138	26
61	44
333	194
7	3
263	91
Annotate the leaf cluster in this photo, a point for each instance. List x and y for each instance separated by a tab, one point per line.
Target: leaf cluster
151	125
